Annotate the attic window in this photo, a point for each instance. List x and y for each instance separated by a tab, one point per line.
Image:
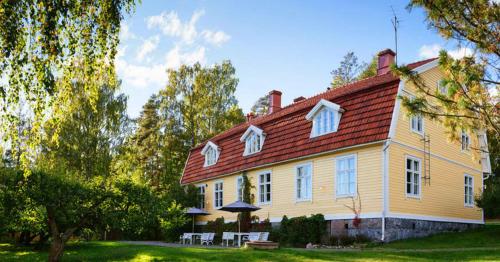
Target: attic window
325	116
211	153
254	140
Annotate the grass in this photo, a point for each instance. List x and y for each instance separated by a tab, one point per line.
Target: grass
474	245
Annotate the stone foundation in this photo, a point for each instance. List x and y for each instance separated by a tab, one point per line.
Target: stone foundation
395	228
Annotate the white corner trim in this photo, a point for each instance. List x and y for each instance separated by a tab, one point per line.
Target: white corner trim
434	218
320	104
426	67
396	110
251	128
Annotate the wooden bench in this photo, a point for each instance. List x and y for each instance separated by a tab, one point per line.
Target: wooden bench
262	245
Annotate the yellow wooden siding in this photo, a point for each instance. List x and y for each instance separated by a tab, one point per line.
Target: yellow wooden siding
440	144
444	197
369	178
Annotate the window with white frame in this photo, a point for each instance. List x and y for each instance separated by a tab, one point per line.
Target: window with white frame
465	141
417	124
211	153
265	187
254	140
239	187
324	122
253	143
303	182
469	190
346	175
442	88
412	176
218	194
325	117
201	197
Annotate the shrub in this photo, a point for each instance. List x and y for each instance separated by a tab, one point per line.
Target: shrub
299	231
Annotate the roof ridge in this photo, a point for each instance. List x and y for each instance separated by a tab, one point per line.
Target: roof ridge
264	118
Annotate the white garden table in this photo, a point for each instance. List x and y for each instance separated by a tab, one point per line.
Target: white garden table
193	238
239	235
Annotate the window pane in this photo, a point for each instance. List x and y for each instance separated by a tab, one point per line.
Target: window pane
408	188
332	120
408	164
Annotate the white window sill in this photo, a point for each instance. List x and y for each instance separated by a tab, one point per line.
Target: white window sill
302	200
327	133
345	196
418	133
411	196
264	203
469	206
249	154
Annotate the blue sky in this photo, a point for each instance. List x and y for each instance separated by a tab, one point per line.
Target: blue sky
291	46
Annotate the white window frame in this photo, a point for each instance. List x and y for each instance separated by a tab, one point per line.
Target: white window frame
253	133
336	189
210	147
471	186
442	89
329	109
215	194
415	130
419	180
265	183
467	145
309	198
198	188
239	188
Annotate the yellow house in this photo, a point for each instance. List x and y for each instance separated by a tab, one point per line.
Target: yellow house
353	145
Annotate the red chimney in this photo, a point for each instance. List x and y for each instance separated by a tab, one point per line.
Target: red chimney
250	116
385	60
274	101
298	99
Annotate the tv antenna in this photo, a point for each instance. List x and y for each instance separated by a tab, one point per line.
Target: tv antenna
395	24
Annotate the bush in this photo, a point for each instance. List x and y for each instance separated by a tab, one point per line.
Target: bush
346	240
299	231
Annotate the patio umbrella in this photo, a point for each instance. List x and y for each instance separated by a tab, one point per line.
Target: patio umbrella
193	211
237	207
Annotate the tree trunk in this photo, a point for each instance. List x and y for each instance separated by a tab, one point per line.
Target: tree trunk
56	249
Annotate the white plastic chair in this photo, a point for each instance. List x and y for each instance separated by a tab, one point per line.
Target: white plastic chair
207	238
186	237
227	236
264	236
253	236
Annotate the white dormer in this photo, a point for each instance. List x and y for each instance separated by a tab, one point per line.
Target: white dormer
211	152
325	116
254	140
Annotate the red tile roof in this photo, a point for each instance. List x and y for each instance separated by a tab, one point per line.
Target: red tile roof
368	106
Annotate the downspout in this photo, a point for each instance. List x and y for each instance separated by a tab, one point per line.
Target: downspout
385	171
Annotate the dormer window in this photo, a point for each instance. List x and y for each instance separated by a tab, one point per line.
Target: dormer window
211	153
254	140
325	116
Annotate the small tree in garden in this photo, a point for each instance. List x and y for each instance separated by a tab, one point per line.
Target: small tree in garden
245	217
356	221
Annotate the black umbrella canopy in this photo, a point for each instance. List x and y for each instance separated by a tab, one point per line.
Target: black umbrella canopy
196	211
239	206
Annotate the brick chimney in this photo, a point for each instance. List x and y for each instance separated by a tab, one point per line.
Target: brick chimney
250	116
274	101
385	60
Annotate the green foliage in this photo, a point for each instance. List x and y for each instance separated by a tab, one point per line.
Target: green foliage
41	42
175	221
261	106
299	231
468	104
489	200
351	70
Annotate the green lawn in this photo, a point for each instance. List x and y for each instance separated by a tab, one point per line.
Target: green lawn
475	245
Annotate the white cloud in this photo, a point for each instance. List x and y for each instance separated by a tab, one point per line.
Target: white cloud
145	76
147	47
430	51
125	33
170	25
176	57
216	38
